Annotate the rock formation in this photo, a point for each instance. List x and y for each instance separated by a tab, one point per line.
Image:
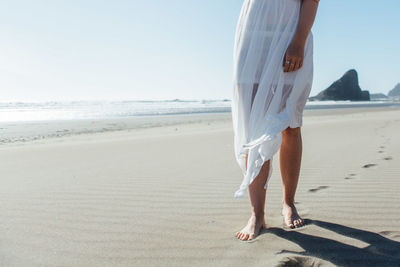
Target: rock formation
395	92
346	88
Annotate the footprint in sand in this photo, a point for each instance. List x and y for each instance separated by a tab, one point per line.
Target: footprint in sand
366	166
351	176
318	188
381	151
388	158
392	234
296	261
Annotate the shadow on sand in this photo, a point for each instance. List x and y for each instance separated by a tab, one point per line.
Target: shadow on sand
381	251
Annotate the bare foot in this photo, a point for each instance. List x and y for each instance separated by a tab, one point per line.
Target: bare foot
252	229
291	217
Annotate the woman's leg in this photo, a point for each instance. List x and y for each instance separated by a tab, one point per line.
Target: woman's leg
290	161
257	199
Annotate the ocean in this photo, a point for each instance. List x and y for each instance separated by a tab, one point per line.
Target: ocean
79	110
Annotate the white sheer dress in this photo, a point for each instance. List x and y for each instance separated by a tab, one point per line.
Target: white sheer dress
266	100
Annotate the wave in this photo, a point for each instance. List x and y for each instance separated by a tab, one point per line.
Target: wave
72	110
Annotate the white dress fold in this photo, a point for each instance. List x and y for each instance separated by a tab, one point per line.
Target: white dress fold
266	100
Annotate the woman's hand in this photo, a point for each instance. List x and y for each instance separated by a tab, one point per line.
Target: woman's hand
293	59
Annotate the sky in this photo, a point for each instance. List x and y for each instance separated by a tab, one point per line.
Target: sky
63	50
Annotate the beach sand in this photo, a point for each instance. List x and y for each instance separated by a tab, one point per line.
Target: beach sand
163	195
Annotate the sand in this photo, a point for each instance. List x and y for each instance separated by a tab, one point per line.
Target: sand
163	195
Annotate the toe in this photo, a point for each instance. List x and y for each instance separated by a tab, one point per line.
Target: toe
246	237
289	223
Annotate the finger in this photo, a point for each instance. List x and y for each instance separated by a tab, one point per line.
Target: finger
297	65
287	64
301	63
286	67
284	63
292	65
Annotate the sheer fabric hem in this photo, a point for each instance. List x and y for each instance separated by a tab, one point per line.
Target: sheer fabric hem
267	142
250	176
258	158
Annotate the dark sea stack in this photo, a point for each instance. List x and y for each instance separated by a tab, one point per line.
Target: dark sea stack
346	88
395	92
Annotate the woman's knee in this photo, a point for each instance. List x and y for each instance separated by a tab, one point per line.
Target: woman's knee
291	132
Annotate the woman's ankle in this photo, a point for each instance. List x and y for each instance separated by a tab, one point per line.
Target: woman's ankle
258	214
288	202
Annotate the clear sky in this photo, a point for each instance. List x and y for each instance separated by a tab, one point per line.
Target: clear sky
167	49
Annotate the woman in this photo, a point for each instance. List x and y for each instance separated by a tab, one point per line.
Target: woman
273	72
